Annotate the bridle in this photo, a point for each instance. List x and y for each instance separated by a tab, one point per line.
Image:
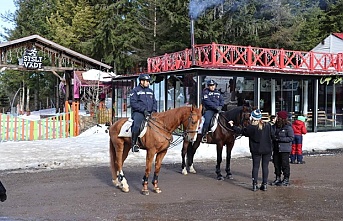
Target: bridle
244	117
182	134
190	121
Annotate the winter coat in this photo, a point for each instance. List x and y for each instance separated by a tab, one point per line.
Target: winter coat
274	139
212	99
143	99
260	141
284	137
299	127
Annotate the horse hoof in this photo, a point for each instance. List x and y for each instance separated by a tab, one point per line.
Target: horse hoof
125	190
230	177
116	183
220	178
145	192
157	190
191	169
184	171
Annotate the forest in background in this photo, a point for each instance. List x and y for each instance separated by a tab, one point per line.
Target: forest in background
124	33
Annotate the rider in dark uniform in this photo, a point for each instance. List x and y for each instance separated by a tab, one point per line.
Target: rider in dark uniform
143	103
213	102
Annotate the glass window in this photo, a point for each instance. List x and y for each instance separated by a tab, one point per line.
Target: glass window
330	103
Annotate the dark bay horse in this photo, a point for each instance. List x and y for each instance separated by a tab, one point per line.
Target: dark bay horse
158	137
223	135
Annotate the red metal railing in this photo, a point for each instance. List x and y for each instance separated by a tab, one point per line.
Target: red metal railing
249	58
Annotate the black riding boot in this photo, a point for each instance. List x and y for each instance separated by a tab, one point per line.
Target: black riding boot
276	181
204	135
134	147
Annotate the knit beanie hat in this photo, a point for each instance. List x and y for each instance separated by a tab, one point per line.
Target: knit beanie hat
256	115
282	114
302	118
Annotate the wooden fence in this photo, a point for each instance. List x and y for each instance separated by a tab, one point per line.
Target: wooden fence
62	125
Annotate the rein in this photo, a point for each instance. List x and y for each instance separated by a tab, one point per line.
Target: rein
223	125
153	121
228	128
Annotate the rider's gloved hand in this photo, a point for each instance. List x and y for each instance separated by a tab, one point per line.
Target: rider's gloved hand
219	108
146	113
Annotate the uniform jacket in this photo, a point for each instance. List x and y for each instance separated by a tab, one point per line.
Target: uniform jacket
212	99
260	141
299	127
284	137
143	99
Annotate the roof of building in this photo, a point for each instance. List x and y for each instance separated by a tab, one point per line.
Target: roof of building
51	46
338	35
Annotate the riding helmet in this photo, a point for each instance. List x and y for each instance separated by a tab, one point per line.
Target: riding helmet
211	82
144	77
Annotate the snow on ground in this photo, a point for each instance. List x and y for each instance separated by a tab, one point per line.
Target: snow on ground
91	149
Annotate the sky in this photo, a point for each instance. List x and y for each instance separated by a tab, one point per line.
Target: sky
6	5
90	148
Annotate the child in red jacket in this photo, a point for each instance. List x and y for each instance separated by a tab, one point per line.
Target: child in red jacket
299	129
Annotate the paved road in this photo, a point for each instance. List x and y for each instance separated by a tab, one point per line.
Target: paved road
87	193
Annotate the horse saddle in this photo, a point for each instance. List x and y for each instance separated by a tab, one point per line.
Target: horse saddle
213	123
125	130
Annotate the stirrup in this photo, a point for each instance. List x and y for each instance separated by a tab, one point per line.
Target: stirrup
204	139
135	148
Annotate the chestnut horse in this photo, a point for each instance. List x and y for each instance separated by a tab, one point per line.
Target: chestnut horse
223	135
158	137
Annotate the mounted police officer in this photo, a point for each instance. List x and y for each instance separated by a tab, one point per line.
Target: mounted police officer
143	103
213	102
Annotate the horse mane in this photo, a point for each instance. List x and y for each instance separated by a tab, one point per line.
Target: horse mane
233	114
168	116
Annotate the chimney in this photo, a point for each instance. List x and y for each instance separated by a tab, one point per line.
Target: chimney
192	42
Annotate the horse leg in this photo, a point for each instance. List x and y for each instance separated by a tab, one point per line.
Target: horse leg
127	148
183	155
123	185
114	169
229	147
219	161
192	148
120	181
149	157
158	163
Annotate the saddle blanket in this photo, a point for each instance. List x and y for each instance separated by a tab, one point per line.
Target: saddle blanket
213	124
125	130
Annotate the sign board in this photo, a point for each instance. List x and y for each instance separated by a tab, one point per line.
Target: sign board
30	59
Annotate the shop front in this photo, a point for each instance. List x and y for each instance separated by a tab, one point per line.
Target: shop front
319	99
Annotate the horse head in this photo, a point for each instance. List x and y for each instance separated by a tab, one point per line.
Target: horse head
245	116
239	115
192	123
